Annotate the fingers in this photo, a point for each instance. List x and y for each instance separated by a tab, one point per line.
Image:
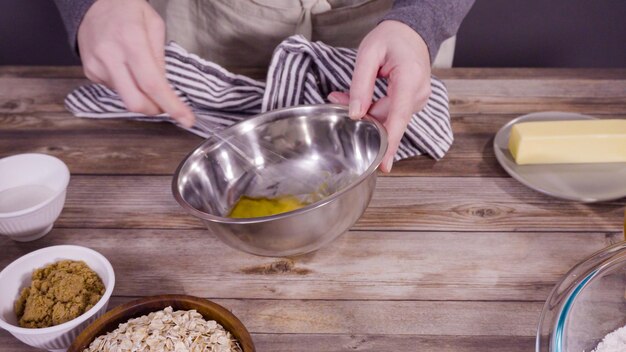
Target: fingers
152	82
94	71
368	62
155	27
122	45
380	109
131	95
393	111
340	98
402	93
395	51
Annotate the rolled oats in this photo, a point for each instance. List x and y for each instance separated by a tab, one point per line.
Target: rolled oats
167	330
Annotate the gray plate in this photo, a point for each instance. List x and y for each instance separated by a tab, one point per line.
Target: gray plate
579	182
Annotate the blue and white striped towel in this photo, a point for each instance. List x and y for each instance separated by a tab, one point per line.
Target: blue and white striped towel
301	72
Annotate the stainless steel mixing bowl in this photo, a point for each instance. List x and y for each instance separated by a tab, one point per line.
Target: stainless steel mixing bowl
306	151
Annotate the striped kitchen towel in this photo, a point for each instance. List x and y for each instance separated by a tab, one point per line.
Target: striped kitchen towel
301	72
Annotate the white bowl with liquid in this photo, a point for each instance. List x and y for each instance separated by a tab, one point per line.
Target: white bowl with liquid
32	194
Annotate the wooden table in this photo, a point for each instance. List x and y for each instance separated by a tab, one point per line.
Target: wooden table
450	256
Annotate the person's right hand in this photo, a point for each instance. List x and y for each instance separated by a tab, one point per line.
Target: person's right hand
121	43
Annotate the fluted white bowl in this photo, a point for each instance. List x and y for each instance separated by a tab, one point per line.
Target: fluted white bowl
32	194
17	275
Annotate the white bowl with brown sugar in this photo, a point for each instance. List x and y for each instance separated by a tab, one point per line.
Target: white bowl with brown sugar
18	275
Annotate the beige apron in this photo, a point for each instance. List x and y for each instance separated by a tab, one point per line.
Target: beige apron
242	34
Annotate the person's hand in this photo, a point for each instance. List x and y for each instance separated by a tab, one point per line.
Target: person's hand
121	43
395	51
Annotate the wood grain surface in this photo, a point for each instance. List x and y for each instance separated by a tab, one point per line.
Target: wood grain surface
450	256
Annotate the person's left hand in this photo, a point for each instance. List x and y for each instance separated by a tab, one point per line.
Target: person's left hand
395	51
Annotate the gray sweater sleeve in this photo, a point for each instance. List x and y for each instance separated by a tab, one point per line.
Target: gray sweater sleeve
434	20
72	13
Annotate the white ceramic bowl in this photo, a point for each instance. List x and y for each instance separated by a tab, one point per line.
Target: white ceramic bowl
32	194
17	275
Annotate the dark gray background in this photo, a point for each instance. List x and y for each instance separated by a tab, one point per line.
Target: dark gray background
496	33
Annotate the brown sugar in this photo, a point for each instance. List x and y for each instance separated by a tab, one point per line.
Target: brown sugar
58	293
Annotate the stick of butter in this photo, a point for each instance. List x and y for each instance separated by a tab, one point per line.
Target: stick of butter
572	141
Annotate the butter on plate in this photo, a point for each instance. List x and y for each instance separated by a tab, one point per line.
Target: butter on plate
571	141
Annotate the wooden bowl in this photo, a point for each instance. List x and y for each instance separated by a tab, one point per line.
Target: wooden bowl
143	306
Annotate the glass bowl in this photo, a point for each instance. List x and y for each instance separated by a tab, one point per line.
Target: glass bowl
586	305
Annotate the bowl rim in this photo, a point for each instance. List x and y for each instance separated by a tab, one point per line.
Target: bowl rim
79	319
31	209
558	304
123	309
382	149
